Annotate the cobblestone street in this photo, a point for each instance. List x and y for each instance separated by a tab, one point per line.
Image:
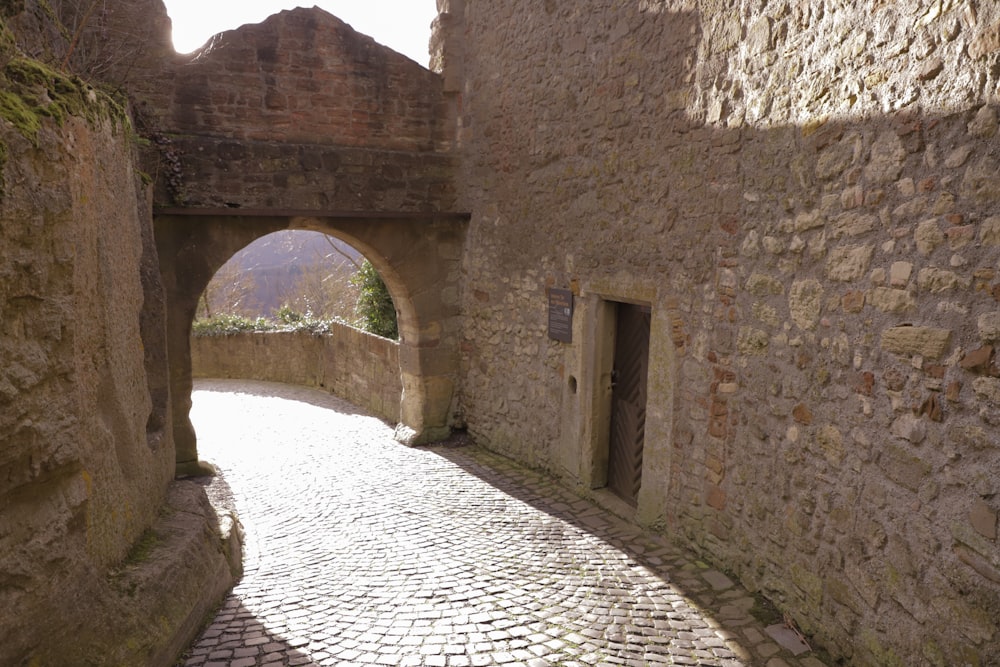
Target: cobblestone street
361	551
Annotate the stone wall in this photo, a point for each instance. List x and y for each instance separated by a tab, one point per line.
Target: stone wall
103	560
805	194
297	112
87	453
357	366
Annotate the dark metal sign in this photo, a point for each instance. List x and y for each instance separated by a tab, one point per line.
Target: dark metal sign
561	315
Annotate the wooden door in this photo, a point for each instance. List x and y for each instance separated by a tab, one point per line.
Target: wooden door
628	401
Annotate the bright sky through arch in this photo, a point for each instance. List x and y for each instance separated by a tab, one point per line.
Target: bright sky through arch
402	25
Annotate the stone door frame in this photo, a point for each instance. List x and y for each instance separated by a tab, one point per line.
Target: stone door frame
586	405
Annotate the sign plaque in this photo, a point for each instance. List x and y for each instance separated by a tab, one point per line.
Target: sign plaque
561	315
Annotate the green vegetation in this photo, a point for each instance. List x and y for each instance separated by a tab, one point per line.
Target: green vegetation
285	319
375	309
32	91
227	325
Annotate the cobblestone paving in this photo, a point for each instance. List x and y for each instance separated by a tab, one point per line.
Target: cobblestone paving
360	551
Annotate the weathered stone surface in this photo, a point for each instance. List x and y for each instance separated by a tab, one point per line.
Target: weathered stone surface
886	161
763	285
989	326
929	342
984	519
987	389
892	300
928	236
982	181
849	263
904	468
805	300
978	359
909	427
783	175
899	274
802	414
989	231
831	443
938	280
88	450
985	124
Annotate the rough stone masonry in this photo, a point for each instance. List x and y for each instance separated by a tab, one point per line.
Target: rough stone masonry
803	194
806	195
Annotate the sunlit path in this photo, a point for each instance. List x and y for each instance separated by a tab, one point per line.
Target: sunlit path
362	551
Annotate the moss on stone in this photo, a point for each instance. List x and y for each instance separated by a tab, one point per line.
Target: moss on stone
142	549
30	92
49	93
16	111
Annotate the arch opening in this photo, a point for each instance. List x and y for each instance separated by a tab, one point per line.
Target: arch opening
418	260
294	307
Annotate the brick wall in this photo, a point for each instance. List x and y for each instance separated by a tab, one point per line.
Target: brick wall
806	196
354	365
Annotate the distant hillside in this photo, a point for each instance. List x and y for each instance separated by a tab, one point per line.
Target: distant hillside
309	271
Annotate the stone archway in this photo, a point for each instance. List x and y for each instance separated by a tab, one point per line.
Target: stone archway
418	256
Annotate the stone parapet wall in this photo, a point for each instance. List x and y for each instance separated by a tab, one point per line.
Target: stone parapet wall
356	366
806	197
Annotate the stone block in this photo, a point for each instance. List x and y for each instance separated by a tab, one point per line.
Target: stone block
899	274
903	467
977	360
984	520
960	236
989	326
849	262
974	560
937	280
989	231
853	224
886	161
760	284
957	157
802	414
853	301
985	124
982	181
831	443
928	236
715	497
805	221
752	341
909	427
971	437
788	638
987	389
929	342
892	300
840	591
805	301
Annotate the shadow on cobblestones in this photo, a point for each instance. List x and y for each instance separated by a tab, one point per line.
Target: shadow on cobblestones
361	551
238	637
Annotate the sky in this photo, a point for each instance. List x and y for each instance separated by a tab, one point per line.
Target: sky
402	25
